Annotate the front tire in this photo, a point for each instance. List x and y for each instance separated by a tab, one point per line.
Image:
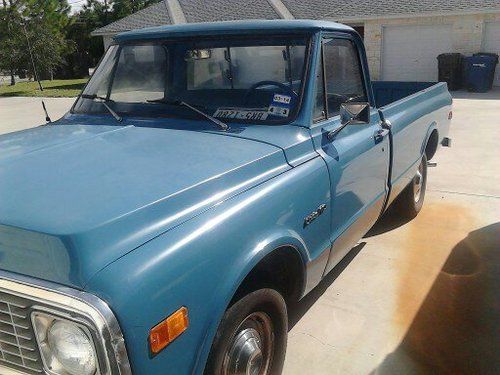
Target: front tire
251	338
411	200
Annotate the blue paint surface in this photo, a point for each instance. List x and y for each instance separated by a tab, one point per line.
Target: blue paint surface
272	27
154	214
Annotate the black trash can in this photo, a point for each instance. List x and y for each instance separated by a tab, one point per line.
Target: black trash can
480	72
450	70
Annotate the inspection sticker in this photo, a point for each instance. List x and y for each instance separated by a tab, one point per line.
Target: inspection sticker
283	99
277	110
241	114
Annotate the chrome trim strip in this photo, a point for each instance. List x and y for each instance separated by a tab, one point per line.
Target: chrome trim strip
83	303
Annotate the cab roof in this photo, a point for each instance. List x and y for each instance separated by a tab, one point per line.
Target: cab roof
231	28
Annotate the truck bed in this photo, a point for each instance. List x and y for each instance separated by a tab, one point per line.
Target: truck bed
387	92
415	110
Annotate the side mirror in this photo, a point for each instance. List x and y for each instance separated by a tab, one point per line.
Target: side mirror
354	113
351	113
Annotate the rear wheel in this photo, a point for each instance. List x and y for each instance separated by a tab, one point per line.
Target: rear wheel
411	200
251	339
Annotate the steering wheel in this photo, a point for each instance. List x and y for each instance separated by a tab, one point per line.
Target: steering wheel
256	85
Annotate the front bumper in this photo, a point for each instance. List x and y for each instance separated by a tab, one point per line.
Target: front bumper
20	296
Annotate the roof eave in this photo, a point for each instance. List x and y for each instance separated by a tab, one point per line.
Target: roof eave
105	33
414	15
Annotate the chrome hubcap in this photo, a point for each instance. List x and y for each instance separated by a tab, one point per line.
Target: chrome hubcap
417	183
251	349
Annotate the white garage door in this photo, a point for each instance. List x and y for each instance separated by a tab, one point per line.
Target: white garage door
409	52
491	43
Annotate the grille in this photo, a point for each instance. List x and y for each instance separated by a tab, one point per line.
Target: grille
18	347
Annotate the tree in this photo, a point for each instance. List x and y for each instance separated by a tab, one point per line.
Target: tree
61	43
93	15
9	39
123	8
42	23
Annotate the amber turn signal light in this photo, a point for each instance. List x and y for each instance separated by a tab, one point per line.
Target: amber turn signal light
168	330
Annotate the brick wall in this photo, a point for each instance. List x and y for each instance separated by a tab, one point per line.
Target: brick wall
467	34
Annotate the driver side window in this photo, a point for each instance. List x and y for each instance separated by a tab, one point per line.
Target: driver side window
343	75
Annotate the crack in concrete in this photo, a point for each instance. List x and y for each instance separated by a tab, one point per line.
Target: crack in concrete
463	193
313	337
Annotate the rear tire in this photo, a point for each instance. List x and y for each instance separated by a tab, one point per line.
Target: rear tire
411	199
251	337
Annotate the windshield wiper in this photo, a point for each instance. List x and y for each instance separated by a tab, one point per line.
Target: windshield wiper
223	126
104	101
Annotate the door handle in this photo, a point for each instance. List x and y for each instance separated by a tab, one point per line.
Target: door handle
386	124
380	134
385	129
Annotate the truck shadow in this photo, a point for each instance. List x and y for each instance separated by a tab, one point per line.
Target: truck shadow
457	328
297	311
388	221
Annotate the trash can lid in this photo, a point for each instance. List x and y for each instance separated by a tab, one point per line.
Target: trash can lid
491	54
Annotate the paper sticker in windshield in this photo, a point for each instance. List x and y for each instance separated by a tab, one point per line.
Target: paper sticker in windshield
280	106
280	111
241	114
283	99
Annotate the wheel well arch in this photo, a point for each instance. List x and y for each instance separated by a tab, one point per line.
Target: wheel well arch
282	269
432	144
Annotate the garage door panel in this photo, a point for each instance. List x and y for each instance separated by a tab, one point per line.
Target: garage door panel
491	43
410	52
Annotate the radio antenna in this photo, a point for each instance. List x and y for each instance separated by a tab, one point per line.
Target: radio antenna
47	117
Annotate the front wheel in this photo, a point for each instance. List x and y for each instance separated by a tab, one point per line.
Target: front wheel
252	336
411	200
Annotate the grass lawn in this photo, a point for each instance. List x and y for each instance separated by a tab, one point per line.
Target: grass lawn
56	88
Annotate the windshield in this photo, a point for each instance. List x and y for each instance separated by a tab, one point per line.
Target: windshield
238	79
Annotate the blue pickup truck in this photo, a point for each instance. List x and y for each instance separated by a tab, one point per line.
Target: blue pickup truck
206	179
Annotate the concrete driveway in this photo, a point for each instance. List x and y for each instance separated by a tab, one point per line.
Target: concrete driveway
413	297
21	113
420	296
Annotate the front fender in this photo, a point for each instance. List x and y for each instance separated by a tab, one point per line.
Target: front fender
270	242
201	263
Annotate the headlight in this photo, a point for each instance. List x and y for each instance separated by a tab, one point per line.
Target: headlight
66	347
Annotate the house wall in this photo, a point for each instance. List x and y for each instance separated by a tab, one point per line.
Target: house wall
467	34
107	39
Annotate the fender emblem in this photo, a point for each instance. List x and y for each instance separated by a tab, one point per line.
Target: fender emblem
313	215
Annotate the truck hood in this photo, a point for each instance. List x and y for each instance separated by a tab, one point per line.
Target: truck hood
73	198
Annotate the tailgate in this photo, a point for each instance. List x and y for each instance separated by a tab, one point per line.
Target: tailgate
413	119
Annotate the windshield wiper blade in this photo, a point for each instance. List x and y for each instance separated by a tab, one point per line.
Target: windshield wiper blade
223	126
104	101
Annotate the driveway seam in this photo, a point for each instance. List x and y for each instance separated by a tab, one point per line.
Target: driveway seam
467	194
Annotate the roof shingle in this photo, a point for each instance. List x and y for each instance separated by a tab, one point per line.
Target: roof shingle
339	10
154	15
364	9
226	10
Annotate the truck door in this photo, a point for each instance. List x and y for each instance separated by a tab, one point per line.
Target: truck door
358	156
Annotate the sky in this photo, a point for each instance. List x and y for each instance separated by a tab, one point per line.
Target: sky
76	5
